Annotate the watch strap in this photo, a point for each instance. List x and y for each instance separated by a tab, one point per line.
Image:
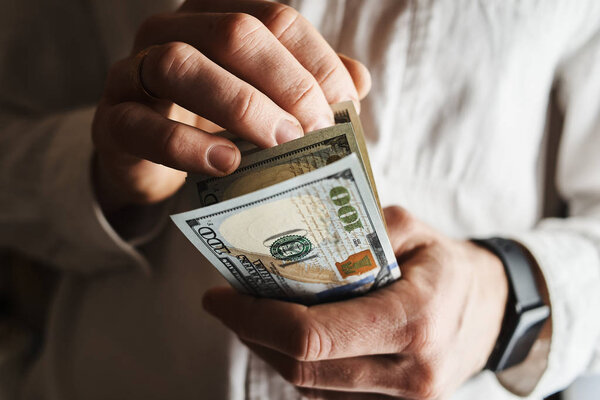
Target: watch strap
525	311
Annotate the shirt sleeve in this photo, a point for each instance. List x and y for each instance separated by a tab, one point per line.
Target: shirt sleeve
567	250
47	205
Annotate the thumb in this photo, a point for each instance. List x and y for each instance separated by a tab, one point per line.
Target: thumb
359	73
406	232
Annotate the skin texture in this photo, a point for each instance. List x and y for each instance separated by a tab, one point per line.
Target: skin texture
420	337
206	69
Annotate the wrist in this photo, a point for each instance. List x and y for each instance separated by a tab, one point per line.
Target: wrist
491	292
525	311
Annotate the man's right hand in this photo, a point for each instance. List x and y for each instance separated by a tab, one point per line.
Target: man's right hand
255	68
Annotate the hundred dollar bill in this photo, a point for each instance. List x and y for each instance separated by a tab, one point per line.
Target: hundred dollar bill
312	238
345	112
262	168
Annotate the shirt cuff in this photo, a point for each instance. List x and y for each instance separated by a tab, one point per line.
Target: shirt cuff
568	263
83	240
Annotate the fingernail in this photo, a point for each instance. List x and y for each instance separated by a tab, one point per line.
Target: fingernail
287	130
221	157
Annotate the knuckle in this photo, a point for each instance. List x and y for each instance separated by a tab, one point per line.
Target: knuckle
303	91
238	31
427	385
173	145
327	71
245	105
423	333
335	80
279	18
398	315
171	62
298	373
312	343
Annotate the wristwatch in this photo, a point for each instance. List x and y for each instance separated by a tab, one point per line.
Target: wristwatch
525	312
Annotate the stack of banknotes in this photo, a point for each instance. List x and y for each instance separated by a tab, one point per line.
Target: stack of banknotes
298	222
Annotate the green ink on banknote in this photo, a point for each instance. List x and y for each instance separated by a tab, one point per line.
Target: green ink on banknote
348	215
290	247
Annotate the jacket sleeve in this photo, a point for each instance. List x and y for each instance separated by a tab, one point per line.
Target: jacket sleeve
47	205
567	250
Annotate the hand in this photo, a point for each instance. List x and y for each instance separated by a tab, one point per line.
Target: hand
420	337
255	68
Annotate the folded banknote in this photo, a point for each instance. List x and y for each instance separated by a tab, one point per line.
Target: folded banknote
299	222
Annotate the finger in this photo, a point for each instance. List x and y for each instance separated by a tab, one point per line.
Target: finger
359	73
140	131
179	73
366	325
120	87
241	44
301	39
360	375
406	233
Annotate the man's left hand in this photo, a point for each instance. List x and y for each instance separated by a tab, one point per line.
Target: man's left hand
420	337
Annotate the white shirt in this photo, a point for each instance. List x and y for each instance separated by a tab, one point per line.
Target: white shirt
455	122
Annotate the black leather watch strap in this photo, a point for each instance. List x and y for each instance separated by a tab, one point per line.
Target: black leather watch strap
525	311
